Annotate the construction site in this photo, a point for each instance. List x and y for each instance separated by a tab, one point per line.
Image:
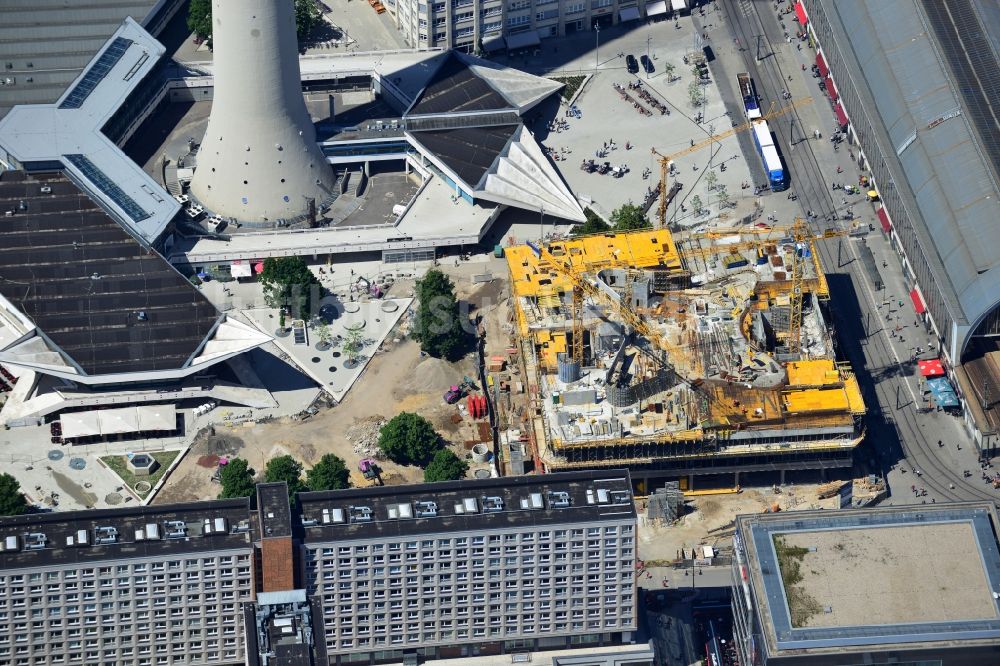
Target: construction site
679	355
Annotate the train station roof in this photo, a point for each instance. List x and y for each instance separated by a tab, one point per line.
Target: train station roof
931	70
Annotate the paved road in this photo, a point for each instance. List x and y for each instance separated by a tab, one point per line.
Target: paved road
899	439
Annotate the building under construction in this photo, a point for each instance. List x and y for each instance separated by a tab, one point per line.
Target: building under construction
679	356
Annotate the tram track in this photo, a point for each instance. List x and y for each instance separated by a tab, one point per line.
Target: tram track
891	420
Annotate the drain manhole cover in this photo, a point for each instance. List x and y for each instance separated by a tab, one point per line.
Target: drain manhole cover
77	463
56	454
113	498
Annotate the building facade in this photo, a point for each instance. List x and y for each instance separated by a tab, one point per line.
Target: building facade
374	575
488	25
462	569
143	586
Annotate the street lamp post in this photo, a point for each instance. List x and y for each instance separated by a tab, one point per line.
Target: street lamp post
649	38
597	48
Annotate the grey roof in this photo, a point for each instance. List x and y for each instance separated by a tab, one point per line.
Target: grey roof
51	249
69	132
50	42
755	542
940	126
455	88
468	151
585	506
59	527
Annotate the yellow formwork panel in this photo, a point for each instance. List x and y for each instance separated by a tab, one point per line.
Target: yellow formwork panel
815	400
854	399
819	372
640	249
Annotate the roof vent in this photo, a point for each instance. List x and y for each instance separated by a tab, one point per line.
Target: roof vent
105	535
10	544
603	496
176	529
620	496
427	509
360	514
467	505
242	526
310	522
590	496
34	541
559	500
215	526
332	516
45	189
492	504
152	531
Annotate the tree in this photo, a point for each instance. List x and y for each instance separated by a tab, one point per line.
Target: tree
330	473
696	204
711	178
353	345
287	469
695	93
668	69
199	19
408	439
593	225
723	196
323	332
12	502
288	282
438	326
629	217
237	479
445	466
307	16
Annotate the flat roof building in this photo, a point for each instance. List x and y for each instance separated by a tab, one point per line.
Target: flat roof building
368	575
919	584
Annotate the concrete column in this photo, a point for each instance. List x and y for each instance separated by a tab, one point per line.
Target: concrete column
736	479
690	481
782	478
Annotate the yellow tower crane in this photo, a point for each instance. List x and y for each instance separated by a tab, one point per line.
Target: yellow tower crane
666	159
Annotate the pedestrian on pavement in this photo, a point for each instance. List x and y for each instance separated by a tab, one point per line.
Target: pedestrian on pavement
940	443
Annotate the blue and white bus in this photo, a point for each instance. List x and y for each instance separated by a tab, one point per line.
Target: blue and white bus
769	156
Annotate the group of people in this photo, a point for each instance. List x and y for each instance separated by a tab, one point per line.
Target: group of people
628	98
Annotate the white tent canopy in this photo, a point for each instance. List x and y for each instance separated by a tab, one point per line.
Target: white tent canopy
240	269
656	8
97	422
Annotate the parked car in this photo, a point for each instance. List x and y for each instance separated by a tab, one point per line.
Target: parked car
631	64
647	64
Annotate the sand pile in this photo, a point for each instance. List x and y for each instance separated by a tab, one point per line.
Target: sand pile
433	375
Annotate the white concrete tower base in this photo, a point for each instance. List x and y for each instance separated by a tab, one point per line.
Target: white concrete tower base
259	159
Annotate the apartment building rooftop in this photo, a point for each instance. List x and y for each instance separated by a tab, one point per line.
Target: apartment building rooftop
832	582
81	537
456	506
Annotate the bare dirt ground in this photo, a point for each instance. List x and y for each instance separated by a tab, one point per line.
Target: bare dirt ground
709	514
397	379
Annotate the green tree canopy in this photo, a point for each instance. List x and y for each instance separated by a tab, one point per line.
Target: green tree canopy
629	217
330	473
593	225
199	19
287	469
12	502
408	439
308	15
438	325
288	282
445	466
237	478
697	204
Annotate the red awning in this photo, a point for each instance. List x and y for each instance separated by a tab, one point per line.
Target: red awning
831	89
821	63
883	219
838	108
918	303
931	368
800	13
